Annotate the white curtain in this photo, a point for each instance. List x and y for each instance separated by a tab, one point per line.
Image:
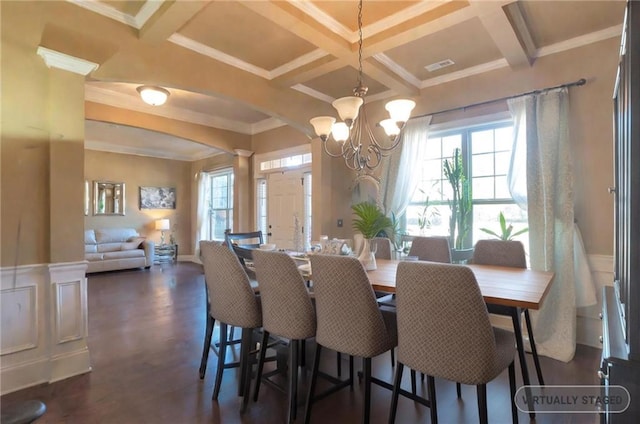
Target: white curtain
202	221
400	174
541	162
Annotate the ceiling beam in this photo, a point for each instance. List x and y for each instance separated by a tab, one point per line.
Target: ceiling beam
168	19
504	35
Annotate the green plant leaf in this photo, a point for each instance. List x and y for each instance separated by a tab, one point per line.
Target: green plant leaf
370	220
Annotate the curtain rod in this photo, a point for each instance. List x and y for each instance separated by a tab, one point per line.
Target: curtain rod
579	82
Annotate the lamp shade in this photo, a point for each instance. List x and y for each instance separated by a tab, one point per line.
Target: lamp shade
162	224
400	110
340	132
322	125
348	107
390	127
154	96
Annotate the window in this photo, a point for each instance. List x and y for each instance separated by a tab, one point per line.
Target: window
220	201
261	206
486	154
307	230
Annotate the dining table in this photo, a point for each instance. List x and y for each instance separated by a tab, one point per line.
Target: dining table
511	289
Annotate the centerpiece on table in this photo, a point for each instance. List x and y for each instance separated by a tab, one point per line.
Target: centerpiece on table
369	221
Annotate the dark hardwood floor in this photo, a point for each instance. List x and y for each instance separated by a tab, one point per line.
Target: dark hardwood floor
145	337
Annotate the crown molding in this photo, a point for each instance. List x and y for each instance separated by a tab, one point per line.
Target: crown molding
464	73
54	59
148	9
243	153
583	40
297	63
313	93
397	69
102	146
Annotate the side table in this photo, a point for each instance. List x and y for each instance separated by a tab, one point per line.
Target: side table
166	253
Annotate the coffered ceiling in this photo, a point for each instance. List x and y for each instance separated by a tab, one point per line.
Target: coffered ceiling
251	66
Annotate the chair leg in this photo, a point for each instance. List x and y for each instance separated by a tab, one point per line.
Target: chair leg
413	382
208	333
393	357
222	353
293	380
534	351
458	390
482	403
312	384
366	368
433	406
303	353
351	372
339	363
245	382
396	391
512	390
263	353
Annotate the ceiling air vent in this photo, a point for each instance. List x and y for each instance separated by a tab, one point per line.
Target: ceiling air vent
439	65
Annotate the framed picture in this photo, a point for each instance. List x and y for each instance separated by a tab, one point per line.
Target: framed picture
157	198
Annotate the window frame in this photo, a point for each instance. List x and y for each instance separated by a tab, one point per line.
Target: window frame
229	174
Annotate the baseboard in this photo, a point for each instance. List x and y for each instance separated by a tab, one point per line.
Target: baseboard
69	365
21	376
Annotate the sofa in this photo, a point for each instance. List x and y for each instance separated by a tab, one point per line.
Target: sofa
109	249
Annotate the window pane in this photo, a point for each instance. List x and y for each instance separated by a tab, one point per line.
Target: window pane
450	143
502	188
482	141
503	159
434	149
504	138
482	165
486	216
482	188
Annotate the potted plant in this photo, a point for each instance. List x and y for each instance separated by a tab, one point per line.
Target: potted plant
506	231
460	204
370	221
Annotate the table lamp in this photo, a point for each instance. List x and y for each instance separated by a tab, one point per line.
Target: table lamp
162	225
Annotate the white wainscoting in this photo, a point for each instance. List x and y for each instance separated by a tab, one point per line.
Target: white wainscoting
44	324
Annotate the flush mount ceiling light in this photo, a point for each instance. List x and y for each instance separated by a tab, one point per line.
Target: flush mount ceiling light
153	95
356	141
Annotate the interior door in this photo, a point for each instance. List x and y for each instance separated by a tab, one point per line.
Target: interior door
285	197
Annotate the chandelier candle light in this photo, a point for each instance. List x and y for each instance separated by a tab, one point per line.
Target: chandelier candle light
350	134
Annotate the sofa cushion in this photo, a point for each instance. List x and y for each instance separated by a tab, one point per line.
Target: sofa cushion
109	247
93	256
114	235
122	254
90	237
90	248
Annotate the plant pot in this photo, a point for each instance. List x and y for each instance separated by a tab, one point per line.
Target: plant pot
461	256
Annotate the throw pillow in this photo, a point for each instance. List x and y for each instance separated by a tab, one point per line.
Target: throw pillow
132	243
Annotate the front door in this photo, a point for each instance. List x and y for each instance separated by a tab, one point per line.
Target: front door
285	199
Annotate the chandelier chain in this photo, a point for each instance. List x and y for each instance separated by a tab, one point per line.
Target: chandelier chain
360	43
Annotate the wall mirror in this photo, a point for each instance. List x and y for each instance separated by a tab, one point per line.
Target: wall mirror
108	198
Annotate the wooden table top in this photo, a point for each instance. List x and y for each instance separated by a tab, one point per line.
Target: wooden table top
518	287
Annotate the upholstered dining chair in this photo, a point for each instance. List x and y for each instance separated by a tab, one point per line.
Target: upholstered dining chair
243	244
287	312
348	320
233	302
383	247
432	249
444	331
507	253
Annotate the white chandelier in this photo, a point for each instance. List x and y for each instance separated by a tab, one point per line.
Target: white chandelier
349	135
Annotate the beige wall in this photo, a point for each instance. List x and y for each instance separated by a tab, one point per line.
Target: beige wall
136	171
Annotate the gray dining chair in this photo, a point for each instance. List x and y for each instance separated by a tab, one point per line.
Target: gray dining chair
348	320
444	331
233	302
287	312
507	253
432	249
